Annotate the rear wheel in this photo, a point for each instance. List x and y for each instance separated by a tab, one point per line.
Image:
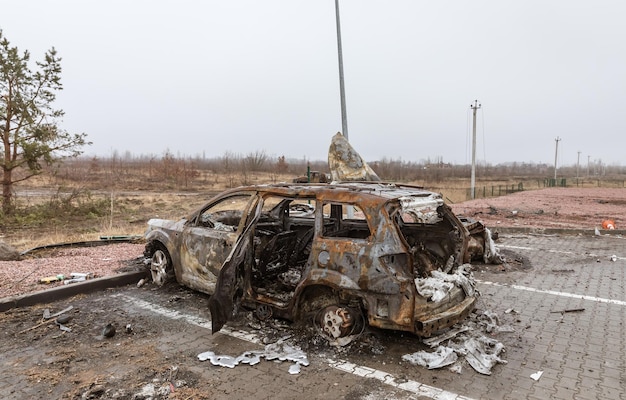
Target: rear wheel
161	267
338	321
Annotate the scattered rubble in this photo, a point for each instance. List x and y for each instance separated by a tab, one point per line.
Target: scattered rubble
481	352
442	357
278	351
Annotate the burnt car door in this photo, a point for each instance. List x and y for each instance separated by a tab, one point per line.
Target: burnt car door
231	281
209	238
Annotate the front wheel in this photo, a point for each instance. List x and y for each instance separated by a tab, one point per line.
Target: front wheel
161	267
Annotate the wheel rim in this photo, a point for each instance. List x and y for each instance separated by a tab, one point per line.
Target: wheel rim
336	322
158	267
263	312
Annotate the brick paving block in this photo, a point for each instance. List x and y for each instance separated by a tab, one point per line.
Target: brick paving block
559	346
524	384
611	382
564	393
568	382
573	361
569	372
497	392
536	356
613	356
611	392
543	392
552	364
547	380
615	373
541	347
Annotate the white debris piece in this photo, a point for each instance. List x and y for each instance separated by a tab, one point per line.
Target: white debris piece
492	323
433	288
483	353
458	368
491	254
438	285
440	358
536	375
280	351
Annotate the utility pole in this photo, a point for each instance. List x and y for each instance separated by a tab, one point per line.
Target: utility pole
474	107
342	90
588	162
556	155
577	167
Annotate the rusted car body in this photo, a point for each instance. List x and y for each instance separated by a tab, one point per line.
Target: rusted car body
340	252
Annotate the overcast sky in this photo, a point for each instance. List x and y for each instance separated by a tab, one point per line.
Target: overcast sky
210	77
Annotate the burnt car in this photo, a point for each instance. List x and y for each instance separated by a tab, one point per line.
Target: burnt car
346	254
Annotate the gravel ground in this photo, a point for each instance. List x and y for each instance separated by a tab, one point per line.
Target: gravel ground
20	277
567	208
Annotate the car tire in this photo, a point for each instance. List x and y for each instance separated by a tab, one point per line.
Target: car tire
161	267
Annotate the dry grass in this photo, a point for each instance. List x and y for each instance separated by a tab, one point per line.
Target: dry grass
125	214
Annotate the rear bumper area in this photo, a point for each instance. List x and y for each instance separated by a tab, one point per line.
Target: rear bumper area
445	319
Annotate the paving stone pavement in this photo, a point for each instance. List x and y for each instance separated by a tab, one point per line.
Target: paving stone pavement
567	312
581	353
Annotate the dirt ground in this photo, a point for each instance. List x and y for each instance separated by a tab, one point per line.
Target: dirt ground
565	208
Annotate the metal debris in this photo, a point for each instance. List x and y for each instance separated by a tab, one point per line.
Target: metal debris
442	357
63	327
280	351
491	254
483	353
437	340
491	322
47	318
569	310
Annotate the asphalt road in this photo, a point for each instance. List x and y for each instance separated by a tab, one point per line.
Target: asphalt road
562	295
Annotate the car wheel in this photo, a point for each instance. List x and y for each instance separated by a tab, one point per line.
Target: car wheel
263	312
161	267
336	322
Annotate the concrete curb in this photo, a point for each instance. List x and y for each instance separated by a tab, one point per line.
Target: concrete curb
65	291
557	231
